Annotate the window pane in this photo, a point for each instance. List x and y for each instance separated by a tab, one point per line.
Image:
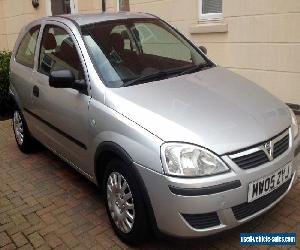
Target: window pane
59	52
154	40
124	50
211	6
124	5
122	31
25	54
59	7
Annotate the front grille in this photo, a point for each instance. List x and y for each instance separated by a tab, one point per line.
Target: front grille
259	156
281	146
251	160
247	209
202	221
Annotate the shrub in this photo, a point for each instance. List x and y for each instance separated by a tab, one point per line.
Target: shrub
4	81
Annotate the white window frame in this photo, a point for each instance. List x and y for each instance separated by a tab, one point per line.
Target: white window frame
73	6
208	16
118	5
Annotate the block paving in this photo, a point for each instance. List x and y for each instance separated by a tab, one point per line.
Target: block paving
45	204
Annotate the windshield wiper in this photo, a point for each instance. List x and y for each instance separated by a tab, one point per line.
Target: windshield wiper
166	73
196	68
145	78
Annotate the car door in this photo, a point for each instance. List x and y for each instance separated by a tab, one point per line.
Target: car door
61	113
22	68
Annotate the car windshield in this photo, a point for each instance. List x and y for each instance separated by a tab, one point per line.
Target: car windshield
135	51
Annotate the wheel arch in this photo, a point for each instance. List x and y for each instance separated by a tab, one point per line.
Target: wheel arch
104	153
13	98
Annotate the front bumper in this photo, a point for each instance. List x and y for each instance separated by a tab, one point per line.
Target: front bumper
176	214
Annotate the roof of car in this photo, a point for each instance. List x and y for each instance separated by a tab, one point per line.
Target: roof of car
83	19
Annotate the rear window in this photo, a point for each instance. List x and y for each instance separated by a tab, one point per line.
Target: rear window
26	50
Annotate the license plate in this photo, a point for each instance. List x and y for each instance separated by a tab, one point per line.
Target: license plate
267	184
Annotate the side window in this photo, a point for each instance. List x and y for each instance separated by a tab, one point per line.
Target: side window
25	53
58	52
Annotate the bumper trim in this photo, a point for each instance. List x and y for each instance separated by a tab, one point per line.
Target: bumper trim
205	190
202	221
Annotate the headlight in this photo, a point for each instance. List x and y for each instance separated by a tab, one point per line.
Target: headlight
295	128
187	160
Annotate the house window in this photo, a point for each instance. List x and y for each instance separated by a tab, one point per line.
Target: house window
123	5
59	7
210	9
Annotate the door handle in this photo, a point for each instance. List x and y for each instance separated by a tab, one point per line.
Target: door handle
36	91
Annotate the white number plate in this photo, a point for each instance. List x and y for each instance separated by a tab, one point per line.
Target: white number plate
268	183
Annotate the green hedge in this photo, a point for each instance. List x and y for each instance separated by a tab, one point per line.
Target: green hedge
4	82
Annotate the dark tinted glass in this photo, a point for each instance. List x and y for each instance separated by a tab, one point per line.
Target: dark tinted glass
26	50
59	7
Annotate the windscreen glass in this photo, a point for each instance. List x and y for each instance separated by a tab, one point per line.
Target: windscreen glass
137	51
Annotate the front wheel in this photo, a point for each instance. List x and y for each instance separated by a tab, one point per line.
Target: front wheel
124	203
23	138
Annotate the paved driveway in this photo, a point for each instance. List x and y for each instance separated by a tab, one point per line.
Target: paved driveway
45	204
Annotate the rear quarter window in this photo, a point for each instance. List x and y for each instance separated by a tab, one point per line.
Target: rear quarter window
26	50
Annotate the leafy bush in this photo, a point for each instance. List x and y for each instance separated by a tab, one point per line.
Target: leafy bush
4	81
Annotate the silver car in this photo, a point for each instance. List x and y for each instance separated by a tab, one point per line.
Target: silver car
177	143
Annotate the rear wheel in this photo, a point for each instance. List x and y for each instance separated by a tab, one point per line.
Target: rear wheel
124	203
23	138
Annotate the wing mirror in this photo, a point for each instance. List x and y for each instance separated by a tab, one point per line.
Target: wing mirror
203	49
65	79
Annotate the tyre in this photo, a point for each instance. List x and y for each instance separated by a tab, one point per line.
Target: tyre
124	203
23	138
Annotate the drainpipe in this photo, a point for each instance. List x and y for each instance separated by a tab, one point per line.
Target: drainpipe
103	5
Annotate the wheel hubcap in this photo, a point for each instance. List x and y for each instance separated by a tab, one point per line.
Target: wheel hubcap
18	127
120	202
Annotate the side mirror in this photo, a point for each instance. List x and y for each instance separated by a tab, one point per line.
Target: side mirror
65	79
203	49
61	79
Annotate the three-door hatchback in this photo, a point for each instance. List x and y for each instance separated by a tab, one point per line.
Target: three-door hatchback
176	142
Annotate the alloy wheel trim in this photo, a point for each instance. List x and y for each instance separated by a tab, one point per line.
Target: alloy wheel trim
18	127
120	202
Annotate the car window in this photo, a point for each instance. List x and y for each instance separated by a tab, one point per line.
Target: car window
154	40
26	50
132	50
122	31
58	52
